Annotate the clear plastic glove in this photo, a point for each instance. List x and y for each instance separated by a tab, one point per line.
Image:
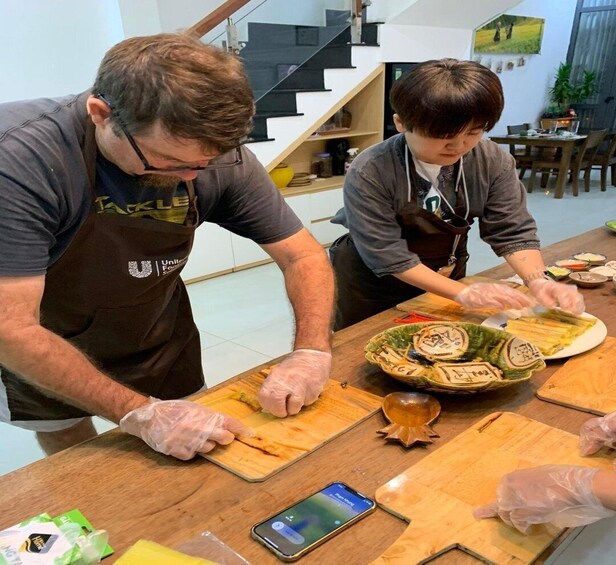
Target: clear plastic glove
296	382
493	295
597	433
558	494
551	294
182	428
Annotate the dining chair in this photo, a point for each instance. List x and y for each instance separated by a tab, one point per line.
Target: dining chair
606	158
581	161
522	154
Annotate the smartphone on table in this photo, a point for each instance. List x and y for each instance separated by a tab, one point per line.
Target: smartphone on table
296	530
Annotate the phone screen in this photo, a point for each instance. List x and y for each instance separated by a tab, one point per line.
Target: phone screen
312	519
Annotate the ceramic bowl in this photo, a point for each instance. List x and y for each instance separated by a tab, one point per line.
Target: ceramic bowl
592	258
572	264
614	281
611	224
611	264
558	273
603	270
588	280
453	357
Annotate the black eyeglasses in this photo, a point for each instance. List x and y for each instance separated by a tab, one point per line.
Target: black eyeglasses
221	162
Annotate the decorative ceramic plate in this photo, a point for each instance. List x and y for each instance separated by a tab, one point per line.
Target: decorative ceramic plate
589	339
454	357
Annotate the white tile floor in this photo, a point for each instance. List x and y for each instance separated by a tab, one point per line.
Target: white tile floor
245	318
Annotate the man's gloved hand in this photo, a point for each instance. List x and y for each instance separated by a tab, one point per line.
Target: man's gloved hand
551	294
493	295
558	494
597	433
182	428
296	382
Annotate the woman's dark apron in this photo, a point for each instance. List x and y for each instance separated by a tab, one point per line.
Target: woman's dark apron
116	294
362	294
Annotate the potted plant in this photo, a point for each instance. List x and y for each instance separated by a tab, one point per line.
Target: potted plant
565	91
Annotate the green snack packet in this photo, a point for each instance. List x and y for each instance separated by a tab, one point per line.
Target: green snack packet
68	539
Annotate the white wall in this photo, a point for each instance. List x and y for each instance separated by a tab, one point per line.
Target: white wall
526	87
52	48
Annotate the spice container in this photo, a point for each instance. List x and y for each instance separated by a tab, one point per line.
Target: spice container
322	165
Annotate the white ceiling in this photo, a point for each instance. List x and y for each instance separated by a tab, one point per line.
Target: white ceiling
466	14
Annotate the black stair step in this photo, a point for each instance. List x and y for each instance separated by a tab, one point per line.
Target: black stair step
257	138
369	36
264	35
259	93
276	101
330	56
302	78
259	121
276	114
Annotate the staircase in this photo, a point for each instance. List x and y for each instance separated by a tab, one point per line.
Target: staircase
307	83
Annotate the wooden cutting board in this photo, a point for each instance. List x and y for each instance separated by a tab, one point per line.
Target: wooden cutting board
282	441
586	381
445	309
438	494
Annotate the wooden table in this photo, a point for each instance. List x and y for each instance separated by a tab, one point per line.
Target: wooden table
123	486
565	143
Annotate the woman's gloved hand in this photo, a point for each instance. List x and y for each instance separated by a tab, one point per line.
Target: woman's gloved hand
182	428
558	494
551	294
597	433
493	295
296	382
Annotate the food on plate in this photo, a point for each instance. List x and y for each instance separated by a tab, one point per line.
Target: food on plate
587	280
453	356
604	270
592	258
551	330
573	264
558	272
611	224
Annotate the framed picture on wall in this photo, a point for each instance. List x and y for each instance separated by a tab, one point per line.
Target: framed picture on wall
510	34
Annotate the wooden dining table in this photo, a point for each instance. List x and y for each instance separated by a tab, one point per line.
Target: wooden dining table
566	144
134	493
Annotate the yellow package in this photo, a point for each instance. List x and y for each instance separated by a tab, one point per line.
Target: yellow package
145	551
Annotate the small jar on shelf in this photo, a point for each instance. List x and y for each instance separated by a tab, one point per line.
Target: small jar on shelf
322	165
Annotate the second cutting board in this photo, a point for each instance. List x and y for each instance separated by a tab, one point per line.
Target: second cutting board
438	494
586	381
282	441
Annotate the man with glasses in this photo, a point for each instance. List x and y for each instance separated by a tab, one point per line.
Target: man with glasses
101	195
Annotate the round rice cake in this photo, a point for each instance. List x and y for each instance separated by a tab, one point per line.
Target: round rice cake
441	342
470	373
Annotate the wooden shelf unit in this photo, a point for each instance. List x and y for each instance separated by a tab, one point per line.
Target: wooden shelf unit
365	103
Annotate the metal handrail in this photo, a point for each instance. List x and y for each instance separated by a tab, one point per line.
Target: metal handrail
219	15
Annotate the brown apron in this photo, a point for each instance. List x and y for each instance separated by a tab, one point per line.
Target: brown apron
116	294
362	294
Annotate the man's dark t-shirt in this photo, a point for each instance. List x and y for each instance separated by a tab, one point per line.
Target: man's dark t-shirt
45	194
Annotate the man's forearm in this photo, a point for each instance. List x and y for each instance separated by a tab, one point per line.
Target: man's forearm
54	365
310	287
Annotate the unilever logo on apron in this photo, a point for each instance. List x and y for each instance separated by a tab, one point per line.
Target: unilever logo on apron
143	269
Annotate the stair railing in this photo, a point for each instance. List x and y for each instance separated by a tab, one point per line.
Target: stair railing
216	17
